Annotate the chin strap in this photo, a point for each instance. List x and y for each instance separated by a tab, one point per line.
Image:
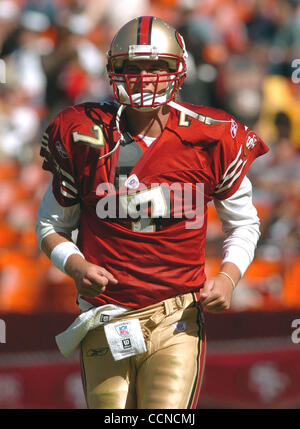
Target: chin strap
121	138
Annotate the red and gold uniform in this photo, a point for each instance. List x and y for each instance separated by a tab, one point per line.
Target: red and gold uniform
158	259
141	209
166	257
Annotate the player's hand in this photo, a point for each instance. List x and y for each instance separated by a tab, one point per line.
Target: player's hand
216	294
90	279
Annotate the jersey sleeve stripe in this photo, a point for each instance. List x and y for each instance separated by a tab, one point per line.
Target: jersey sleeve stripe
45	147
232	181
44	142
232	163
229	176
66	194
67	175
70	187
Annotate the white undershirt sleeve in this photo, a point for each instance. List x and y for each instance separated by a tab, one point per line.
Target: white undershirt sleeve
52	217
240	224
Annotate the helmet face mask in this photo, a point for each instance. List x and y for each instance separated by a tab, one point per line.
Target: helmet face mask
151	42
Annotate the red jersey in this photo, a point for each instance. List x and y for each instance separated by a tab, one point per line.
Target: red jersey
149	230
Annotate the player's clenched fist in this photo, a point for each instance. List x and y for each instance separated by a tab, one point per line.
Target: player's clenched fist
90	279
216	294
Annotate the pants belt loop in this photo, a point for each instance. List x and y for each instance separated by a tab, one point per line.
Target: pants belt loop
180	301
168	305
155	319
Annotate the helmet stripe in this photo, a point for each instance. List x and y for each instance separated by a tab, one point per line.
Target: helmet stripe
144	30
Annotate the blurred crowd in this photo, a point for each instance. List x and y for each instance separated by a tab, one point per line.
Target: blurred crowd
242	58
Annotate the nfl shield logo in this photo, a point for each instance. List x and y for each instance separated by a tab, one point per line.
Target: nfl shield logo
123	330
132	182
180	326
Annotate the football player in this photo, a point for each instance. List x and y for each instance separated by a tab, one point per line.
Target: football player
135	177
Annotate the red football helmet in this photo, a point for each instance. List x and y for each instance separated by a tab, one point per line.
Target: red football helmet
146	38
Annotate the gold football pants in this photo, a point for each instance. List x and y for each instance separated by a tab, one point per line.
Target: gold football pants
167	376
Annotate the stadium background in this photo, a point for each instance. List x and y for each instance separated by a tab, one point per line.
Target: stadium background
242	58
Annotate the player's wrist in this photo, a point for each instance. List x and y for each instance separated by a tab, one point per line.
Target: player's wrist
229	278
75	265
65	255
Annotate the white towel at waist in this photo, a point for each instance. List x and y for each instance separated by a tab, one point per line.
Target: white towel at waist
68	340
